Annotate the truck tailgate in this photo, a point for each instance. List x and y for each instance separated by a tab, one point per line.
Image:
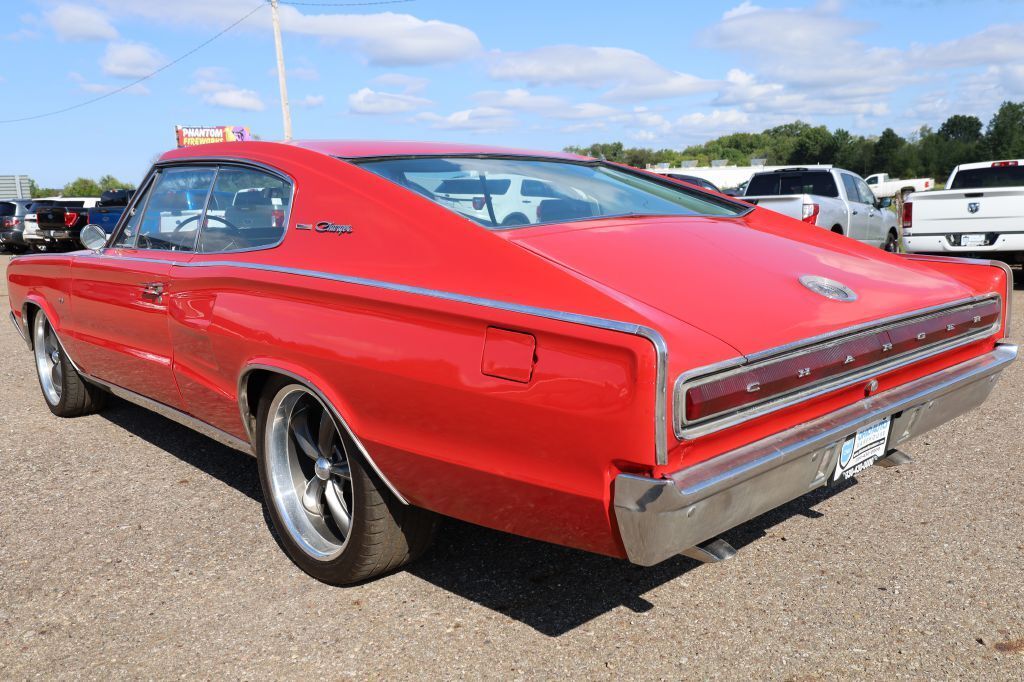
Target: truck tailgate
998	209
791	205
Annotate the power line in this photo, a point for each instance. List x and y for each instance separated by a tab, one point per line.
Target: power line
144	78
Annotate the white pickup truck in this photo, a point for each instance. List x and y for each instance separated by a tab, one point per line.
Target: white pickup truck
980	213
884	186
833	198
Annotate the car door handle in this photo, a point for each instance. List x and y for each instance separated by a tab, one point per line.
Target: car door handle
153	290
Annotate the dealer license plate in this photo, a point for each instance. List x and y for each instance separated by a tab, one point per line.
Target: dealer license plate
862	449
972	240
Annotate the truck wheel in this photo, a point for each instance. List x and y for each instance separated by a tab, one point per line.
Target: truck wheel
837	229
66	393
892	242
333	515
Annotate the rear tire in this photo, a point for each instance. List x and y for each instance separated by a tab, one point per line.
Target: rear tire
892	242
66	393
333	515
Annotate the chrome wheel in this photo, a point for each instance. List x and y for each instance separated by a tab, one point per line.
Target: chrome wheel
309	475
48	360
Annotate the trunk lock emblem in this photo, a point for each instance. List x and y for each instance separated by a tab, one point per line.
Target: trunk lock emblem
829	288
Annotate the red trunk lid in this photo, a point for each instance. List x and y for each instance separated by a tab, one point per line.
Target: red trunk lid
738	279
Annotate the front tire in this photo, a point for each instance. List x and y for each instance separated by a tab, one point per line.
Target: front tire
334	516
66	393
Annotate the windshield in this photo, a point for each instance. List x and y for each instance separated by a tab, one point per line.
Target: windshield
502	193
981	178
792	182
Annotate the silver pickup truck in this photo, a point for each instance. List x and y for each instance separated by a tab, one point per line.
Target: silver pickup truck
980	213
833	198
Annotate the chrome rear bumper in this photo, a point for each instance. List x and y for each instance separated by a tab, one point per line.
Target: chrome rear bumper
659	518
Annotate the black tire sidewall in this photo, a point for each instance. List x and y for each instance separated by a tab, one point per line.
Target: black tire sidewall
341	570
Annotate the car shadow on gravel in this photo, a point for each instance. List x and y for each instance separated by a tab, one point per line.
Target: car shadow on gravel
552	589
229	466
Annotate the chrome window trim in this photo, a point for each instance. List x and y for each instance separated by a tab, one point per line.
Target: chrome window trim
217	162
688	379
141	196
653	336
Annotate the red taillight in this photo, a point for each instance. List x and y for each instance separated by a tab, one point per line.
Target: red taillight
908	215
829	362
1003	164
478	203
278	218
927	184
70	218
810	213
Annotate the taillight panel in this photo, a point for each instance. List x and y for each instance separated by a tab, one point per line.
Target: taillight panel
744	391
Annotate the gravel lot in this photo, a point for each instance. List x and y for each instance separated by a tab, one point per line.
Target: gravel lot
134	548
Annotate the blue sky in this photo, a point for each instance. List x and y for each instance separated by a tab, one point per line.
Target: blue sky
534	74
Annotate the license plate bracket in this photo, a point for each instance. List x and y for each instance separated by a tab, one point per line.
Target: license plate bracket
862	449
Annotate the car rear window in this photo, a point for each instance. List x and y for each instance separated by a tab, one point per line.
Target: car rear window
982	178
542	191
780	183
7	208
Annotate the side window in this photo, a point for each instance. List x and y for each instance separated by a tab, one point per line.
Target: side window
171	218
866	195
126	237
873	180
852	193
248	210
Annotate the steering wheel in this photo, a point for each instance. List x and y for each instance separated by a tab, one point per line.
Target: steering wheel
234	229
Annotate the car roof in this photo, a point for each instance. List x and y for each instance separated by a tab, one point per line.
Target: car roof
987	164
364	149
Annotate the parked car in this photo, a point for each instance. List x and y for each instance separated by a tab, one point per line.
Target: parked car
58	224
737	191
12	223
980	213
883	186
693	180
503	200
107	211
632	382
833	198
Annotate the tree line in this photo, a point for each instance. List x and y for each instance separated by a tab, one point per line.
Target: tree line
80	187
926	153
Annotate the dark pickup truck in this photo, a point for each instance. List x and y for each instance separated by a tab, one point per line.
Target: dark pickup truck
107	211
60	225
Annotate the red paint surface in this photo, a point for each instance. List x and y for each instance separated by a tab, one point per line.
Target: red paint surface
536	455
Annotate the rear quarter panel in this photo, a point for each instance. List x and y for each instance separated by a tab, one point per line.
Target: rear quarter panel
43	281
534	458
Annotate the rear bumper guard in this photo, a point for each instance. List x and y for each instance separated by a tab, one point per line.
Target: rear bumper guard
659	518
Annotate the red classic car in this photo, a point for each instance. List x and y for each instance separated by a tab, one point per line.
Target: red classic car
549	345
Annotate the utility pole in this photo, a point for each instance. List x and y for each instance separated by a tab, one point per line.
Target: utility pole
281	81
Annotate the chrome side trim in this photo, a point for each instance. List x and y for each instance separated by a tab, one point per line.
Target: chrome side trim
21	330
651	335
244	410
976	261
658	518
685	380
175	415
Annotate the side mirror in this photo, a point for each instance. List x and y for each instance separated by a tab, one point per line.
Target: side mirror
885	203
93	237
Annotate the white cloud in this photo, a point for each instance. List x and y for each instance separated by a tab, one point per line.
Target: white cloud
368	101
718	121
478	119
212	83
745	7
386	38
130	60
519	99
78	22
310	101
633	75
405	83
